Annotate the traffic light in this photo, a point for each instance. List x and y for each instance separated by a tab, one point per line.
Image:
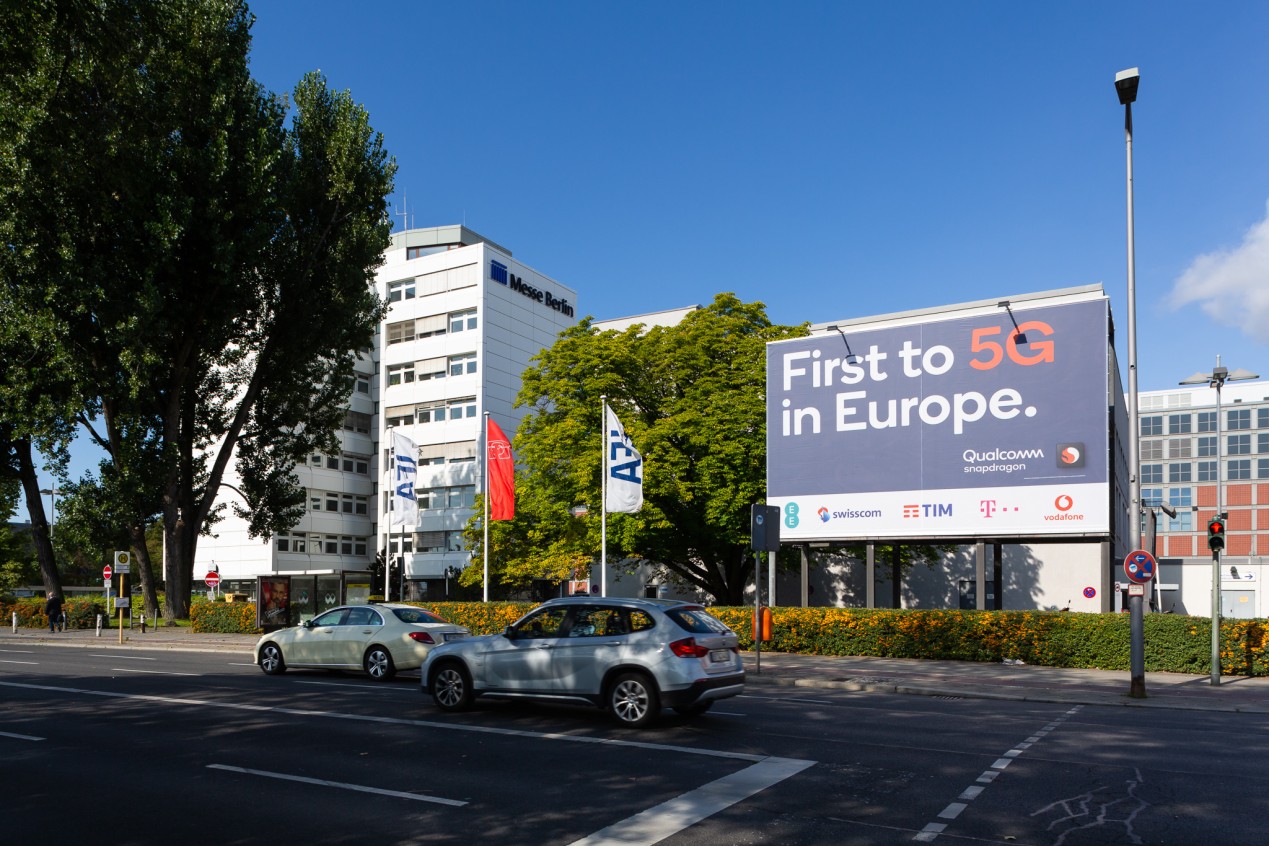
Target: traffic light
1216	534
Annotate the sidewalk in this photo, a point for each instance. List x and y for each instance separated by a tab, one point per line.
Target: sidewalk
961	679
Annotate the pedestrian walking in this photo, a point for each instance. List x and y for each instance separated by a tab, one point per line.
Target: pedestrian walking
53	609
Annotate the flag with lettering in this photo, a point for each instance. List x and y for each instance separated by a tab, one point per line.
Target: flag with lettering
624	466
500	473
405	474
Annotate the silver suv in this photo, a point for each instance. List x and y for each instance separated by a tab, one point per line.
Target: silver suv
630	656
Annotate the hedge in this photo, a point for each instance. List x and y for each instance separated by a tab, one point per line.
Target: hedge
1173	643
80	613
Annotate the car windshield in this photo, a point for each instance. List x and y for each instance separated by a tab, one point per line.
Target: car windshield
416	615
696	620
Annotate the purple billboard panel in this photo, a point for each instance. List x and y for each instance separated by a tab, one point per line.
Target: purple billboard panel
948	424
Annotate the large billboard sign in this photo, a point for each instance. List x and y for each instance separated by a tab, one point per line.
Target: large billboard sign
975	421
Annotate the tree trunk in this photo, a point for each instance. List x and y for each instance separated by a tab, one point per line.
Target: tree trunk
41	534
136	534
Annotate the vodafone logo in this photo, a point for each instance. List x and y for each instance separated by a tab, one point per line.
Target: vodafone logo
1063	503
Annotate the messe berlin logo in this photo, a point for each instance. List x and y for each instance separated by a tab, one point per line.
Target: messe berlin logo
823	512
1070	455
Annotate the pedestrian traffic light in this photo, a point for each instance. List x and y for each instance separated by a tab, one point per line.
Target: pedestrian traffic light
1216	534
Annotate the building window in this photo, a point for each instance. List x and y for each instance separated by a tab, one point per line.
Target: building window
1180	497
1182	522
460	408
1262	442
1152	474
1151	496
1152	425
1262	418
332	502
1238	418
462	496
433	324
460	365
361	385
400	416
1151	450
331	545
1262	468
345	545
1207	445
432	412
1178	448
1207	421
430	368
284	543
1240	468
462	321
357	421
1179	472
1238	445
401	331
332	462
401	290
399	374
1179	424
1207	471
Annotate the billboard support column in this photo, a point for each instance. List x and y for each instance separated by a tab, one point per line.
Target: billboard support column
980	575
870	576
998	576
806	575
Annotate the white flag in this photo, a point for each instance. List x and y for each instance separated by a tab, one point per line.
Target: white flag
624	466
405	473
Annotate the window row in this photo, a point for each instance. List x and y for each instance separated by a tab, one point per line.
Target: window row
427	369
451	541
434	324
347	462
1206	471
454	496
322	544
338	502
437	282
1204	445
357	421
431	412
1180	424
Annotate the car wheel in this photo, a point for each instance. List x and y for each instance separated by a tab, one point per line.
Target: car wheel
378	664
694	710
633	700
451	687
271	659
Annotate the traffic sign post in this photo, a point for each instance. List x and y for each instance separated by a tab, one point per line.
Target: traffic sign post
212	580
1140	568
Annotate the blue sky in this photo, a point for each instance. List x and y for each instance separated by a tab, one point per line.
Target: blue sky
832	160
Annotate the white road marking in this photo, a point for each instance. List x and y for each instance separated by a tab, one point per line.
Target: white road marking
363	687
20	736
119	657
669	818
6	661
970	793
18	651
418	797
952	811
930	832
151	672
726	713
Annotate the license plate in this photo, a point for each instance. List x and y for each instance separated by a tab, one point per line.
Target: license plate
454	636
718	656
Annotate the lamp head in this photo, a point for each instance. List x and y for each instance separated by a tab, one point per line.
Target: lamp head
1126	85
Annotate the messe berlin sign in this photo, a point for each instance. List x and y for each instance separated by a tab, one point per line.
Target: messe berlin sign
970	421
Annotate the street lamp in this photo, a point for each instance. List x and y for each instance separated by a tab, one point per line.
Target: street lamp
52	492
1126	82
1217	379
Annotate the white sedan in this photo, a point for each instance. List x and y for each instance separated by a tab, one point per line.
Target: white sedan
378	638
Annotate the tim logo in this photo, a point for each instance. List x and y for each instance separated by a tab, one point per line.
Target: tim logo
498	272
823	512
928	509
1070	455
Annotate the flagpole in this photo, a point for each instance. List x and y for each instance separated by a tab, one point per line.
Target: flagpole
488	494
603	501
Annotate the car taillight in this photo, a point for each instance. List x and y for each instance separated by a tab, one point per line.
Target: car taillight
688	648
421	637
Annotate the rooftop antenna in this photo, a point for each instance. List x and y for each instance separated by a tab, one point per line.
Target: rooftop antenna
403	212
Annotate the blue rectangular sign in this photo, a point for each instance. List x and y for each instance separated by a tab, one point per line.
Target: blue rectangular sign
944	425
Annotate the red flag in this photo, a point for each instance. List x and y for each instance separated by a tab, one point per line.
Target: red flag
499	473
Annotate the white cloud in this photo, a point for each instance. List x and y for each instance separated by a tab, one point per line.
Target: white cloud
1232	286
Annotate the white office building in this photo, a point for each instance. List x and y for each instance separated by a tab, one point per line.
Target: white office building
464	320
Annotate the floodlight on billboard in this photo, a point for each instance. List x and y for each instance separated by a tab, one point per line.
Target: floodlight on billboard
969	421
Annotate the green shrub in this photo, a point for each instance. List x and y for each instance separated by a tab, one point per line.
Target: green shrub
224	617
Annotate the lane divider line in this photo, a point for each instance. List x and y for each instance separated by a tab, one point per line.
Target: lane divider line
321	782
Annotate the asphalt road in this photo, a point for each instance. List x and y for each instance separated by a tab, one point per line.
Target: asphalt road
140	748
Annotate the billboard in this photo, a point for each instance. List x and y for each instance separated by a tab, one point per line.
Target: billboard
972	421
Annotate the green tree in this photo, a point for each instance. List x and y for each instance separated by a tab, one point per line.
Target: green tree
207	266
692	399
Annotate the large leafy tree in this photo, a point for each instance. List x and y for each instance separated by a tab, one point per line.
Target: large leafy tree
206	265
691	397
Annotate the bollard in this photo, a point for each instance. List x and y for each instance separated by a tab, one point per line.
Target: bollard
15	622
98	625
142	622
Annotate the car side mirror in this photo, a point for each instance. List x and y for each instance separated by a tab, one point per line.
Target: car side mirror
510	633
308	624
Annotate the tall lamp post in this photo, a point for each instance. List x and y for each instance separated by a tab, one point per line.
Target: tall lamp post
1217	379
1126	82
52	492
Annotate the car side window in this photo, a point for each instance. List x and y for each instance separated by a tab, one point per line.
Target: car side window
543	623
594	622
363	617
331	618
640	621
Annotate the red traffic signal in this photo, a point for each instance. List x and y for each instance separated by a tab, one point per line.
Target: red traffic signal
1216	534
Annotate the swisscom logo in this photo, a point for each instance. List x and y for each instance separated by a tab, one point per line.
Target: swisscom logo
1070	455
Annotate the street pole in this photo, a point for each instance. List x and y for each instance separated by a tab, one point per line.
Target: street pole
1126	86
1218	381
